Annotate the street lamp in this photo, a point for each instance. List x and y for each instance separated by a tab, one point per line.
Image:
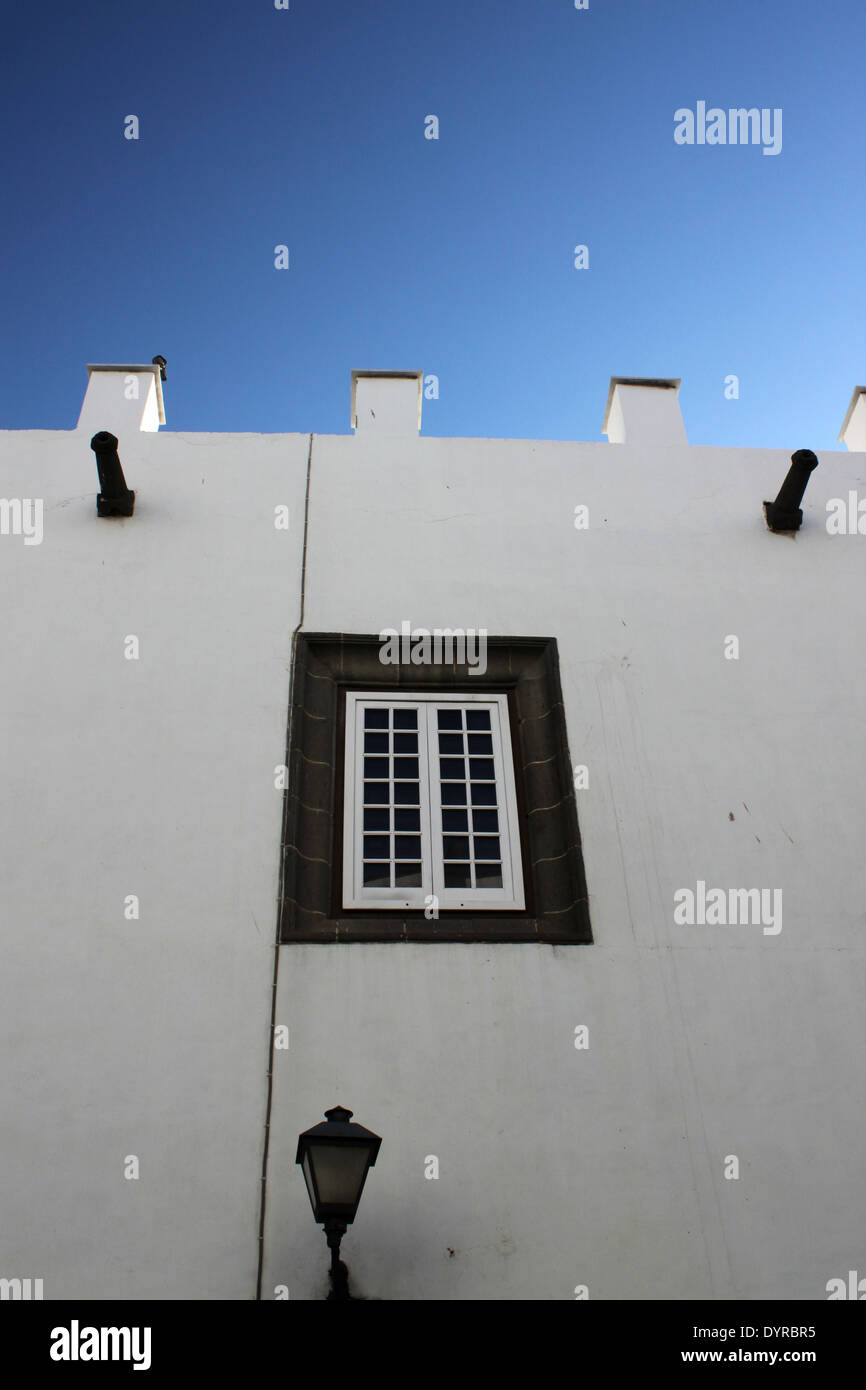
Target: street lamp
335	1158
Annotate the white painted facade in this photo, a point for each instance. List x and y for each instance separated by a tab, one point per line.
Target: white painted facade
155	777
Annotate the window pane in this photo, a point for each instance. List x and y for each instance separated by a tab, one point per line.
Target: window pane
450	743
480	743
377	820
375	767
457	876
483	794
488	875
455	846
375	743
453	793
406	794
377	875
377	847
450	719
452	769
406	767
487	847
376	793
407	743
407	820
408	875
407	847
480	768
375	719
485	820
405	719
456	820
478	719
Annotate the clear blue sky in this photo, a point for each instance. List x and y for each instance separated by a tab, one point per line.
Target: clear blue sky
306	127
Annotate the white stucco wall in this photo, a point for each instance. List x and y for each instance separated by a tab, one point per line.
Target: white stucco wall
605	1167
151	777
558	1167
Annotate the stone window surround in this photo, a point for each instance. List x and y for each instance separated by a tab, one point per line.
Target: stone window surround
326	665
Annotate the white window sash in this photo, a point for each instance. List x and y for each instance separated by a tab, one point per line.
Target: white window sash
510	897
353	835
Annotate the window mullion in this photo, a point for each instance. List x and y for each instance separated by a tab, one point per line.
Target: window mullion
505	801
392	814
472	876
357	864
434	839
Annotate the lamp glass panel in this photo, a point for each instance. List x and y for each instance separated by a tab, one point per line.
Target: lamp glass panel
308	1179
340	1170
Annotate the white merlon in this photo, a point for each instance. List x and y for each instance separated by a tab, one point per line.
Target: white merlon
853	431
386	402
644	410
122	398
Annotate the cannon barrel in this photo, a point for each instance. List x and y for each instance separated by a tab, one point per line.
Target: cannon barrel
784	514
115	498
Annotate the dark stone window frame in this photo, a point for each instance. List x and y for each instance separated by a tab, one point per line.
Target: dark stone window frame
526	669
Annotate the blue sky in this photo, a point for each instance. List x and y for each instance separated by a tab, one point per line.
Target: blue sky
305	127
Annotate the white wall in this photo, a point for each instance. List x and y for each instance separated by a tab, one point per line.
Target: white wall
605	1167
558	1167
152	777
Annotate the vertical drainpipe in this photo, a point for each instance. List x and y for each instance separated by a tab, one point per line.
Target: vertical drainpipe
270	1072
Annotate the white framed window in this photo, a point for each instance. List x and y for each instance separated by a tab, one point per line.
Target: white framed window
430	808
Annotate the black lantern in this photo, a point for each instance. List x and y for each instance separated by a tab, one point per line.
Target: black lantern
335	1158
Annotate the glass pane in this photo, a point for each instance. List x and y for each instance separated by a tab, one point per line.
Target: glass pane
406	794
408	743
405	719
480	743
457	876
375	719
485	820
450	743
376	793
487	847
449	719
377	875
375	743
406	767
408	847
339	1169
377	847
456	820
483	794
375	767
452	769
408	875
407	820
478	719
453	793
488	875
481	768
378	820
455	847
